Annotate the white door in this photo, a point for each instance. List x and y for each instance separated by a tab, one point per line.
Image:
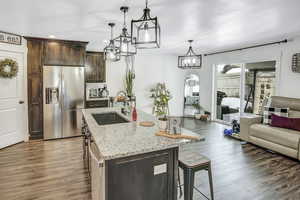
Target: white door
12	118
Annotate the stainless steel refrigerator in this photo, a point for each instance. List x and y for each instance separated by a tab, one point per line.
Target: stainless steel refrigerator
63	101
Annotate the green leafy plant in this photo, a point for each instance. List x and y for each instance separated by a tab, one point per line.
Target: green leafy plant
161	97
129	80
197	107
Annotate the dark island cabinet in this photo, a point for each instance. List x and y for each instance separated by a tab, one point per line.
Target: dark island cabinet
65	53
146	176
95	67
43	52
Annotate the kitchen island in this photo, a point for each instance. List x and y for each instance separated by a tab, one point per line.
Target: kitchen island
128	161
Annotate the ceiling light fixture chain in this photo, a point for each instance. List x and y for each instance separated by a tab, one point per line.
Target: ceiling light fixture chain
190	51
124	41
111	30
124	9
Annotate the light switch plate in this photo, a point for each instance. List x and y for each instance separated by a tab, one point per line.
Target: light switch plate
160	169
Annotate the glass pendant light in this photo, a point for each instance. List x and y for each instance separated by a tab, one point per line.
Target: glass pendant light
190	60
124	40
112	53
145	32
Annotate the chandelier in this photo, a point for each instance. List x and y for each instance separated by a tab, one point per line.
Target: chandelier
111	52
190	60
123	42
145	32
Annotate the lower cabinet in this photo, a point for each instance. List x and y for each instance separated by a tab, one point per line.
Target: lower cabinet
147	176
150	176
97	173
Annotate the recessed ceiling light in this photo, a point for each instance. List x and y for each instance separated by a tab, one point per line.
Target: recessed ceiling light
52	36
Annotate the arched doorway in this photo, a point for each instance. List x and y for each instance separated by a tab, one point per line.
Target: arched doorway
191	95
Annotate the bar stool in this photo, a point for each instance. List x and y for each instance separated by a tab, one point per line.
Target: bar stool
190	163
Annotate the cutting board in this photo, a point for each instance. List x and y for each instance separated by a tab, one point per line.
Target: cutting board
147	123
177	136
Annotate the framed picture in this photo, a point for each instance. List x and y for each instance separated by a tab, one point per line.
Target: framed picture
296	63
174	124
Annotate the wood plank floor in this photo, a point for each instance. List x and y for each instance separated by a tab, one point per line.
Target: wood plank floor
46	170
243	172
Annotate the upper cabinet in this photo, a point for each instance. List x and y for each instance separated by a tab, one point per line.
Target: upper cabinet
35	56
64	53
95	67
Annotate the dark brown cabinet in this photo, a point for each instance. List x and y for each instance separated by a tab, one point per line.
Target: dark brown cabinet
143	176
64	53
97	104
43	52
95	67
35	88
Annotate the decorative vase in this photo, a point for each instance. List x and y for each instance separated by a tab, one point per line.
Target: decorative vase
162	124
198	115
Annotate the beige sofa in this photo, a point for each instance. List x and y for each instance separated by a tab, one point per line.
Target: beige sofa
284	141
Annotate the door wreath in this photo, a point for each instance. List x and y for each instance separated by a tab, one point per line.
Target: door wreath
8	68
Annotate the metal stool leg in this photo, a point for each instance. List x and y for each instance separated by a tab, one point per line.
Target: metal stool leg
188	183
179	182
210	182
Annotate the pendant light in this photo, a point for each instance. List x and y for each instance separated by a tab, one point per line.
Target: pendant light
145	32
111	52
124	40
190	60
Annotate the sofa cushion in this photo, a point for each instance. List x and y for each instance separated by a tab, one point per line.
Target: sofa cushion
285	122
285	102
294	114
282	136
268	111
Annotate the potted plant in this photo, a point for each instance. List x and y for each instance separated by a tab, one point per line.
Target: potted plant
198	108
161	97
129	78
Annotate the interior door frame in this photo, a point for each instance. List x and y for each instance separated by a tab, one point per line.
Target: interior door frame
184	84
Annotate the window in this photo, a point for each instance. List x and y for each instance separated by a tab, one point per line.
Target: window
245	86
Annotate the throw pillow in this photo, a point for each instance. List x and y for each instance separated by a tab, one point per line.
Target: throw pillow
285	122
268	111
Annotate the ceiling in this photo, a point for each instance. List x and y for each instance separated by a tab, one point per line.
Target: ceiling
213	24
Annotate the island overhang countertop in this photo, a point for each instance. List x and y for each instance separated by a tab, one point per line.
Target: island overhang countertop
128	139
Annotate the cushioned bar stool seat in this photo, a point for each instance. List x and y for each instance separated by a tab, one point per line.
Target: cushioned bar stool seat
190	163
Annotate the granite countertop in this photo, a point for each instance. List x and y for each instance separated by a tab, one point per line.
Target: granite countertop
127	139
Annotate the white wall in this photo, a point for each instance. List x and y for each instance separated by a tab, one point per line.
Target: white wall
150	69
287	81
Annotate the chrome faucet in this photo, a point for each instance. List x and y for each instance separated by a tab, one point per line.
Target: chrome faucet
126	106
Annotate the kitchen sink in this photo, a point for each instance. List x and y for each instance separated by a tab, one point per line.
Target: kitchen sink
109	118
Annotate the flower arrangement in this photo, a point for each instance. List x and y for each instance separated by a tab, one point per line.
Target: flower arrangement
161	97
